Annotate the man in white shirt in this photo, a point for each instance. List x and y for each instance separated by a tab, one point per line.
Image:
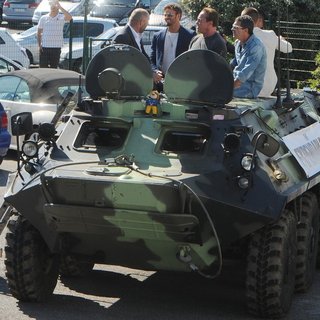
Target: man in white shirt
169	43
50	35
271	43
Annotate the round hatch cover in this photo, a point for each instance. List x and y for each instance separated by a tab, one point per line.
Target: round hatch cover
199	76
133	67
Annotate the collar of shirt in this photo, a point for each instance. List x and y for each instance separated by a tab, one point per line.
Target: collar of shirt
137	36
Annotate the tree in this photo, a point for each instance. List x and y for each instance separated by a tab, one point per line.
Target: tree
293	10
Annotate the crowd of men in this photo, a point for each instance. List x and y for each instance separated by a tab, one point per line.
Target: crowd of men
254	47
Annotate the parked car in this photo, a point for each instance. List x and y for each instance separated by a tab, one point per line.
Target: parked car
74	7
17	11
156	16
10	48
1	10
39	91
95	26
8	65
100	42
5	136
119	10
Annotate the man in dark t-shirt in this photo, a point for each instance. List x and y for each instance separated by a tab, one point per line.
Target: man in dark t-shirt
209	37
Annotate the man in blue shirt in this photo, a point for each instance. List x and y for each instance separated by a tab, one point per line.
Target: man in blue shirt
249	64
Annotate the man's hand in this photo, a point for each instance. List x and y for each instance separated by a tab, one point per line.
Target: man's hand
236	83
157	76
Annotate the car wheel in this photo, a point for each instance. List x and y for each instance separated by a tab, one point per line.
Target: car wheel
77	65
29	54
31	269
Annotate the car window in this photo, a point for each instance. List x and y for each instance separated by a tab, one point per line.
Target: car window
116	2
147	36
22	93
8	87
2	41
5	66
93	30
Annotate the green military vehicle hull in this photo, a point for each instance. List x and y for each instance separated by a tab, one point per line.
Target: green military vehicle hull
202	178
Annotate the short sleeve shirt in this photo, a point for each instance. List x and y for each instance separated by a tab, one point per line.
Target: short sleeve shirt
52	30
214	43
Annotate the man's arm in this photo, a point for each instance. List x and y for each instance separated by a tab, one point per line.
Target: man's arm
67	15
39	37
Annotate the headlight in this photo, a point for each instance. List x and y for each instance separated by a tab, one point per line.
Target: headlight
247	162
29	149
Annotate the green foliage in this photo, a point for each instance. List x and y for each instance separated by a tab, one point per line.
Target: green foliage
315	81
293	10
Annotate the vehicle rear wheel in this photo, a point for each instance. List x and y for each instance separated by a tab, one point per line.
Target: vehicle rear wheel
271	268
72	267
31	269
307	241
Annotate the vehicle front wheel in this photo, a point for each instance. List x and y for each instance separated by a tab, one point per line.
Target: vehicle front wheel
271	268
31	269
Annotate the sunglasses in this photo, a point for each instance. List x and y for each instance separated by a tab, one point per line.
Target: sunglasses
235	27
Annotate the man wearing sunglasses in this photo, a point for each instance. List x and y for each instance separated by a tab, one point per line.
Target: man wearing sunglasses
272	43
169	43
250	61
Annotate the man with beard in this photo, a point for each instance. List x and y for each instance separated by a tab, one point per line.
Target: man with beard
169	43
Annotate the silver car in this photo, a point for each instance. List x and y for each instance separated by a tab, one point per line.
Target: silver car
39	91
17	11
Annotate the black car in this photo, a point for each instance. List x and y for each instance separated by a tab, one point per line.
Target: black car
120	10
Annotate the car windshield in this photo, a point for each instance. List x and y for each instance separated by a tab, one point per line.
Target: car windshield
21	1
116	2
29	31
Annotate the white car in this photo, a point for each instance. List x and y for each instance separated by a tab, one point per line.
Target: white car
157	18
95	26
10	48
74	7
100	42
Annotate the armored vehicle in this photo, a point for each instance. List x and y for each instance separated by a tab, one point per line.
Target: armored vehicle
181	183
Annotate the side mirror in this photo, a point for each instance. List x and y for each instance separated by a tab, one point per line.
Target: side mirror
21	124
265	144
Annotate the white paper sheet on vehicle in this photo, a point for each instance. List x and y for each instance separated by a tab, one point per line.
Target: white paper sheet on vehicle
305	147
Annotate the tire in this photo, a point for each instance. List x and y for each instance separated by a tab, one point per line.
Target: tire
307	241
29	54
71	267
31	269
271	267
77	65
